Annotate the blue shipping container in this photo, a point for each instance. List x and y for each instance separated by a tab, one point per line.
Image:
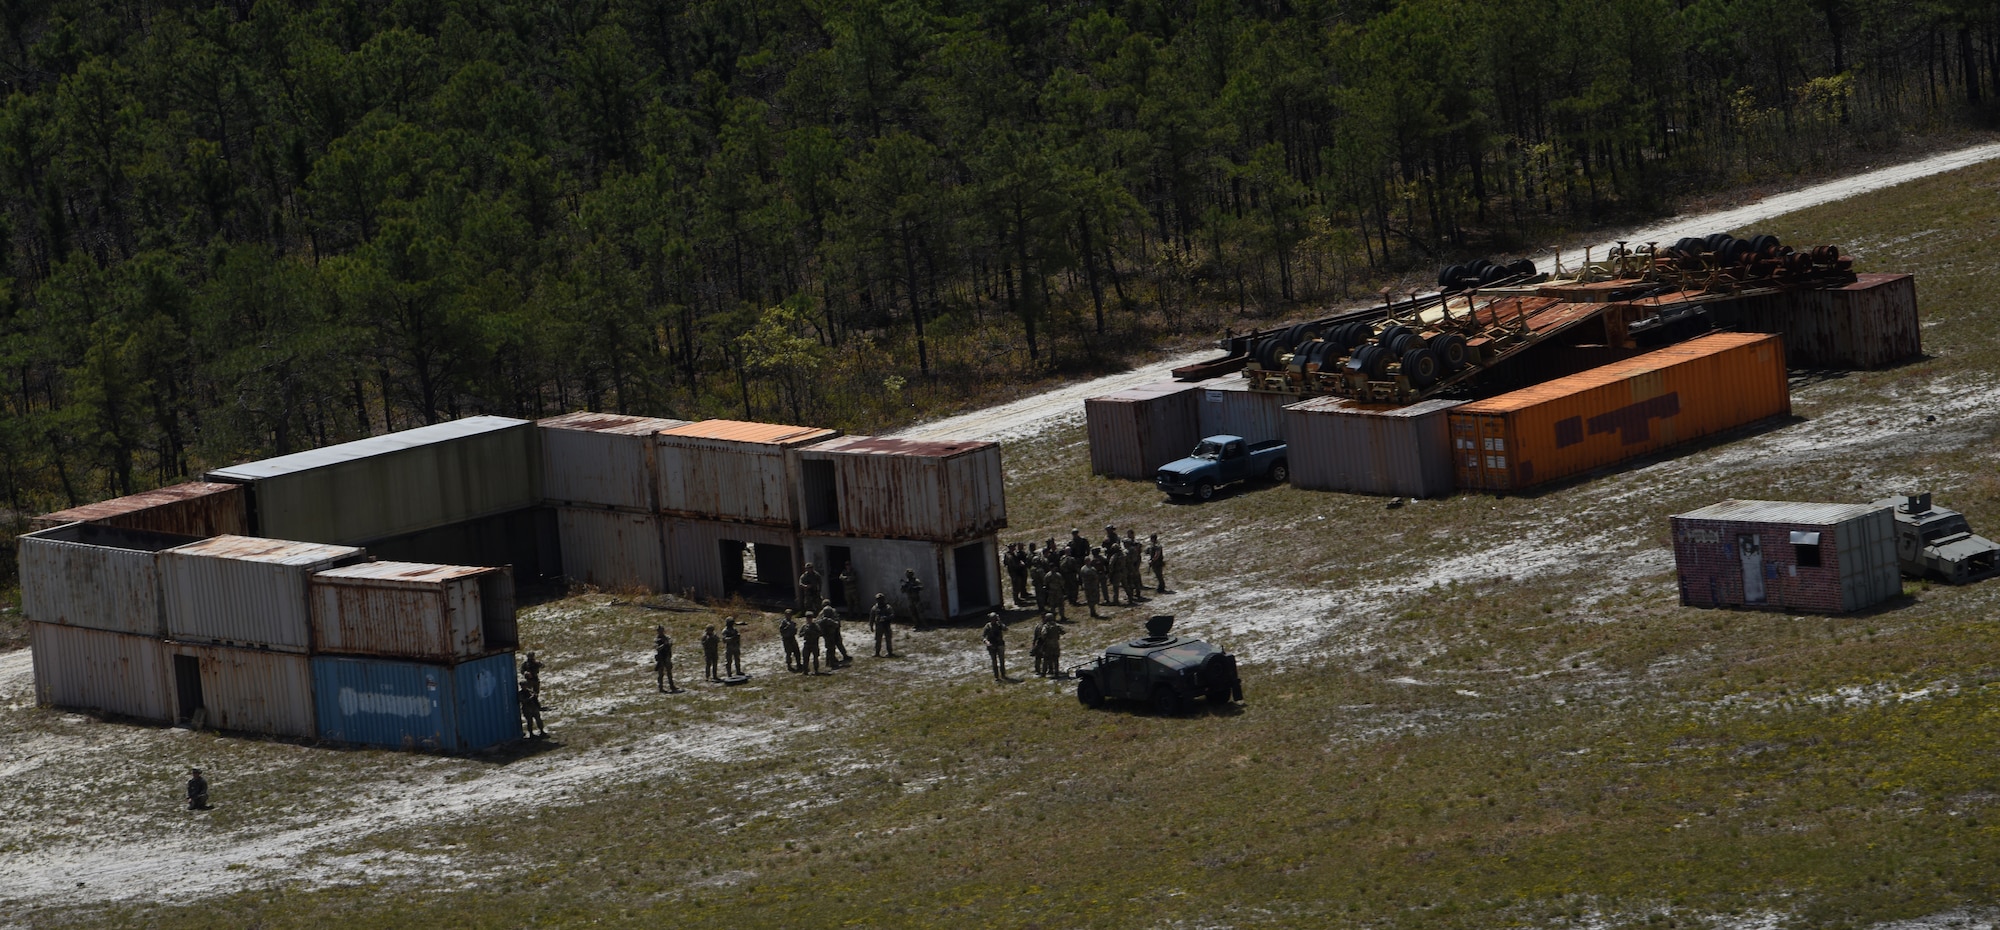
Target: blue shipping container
417	705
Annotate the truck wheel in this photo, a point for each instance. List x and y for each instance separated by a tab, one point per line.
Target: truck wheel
1087	693
1165	702
1218	694
1280	472
1205	490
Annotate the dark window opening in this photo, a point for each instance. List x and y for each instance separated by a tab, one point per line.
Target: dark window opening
969	564
187	687
758	571
838	559
496	612
822	496
1807	556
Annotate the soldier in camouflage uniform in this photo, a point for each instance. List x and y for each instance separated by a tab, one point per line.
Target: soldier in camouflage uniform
788	630
1156	558
531	712
913	595
1052	582
663	660
881	621
995	635
809	588
1072	568
829	632
1134	553
1017	572
732	648
1052	649
1092	585
850	585
711	654
1106	591
809	657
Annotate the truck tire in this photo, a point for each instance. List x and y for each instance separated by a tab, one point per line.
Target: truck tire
1218	694
1165	702
1205	491
1279	472
1087	693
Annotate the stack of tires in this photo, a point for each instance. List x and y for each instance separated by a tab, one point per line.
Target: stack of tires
1483	273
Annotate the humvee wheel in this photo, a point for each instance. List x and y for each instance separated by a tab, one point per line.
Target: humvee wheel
1087	693
1165	702
1218	694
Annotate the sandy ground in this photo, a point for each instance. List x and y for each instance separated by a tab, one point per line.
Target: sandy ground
113	855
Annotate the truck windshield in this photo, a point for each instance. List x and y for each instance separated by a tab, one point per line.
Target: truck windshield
1208	450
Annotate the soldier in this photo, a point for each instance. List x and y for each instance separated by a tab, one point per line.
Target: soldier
850	585
913	594
810	631
1134	553
1088	577
1017	572
663	660
732	648
711	647
197	791
829	630
1035	645
881	622
531	674
995	634
788	630
1078	546
1052	649
1156	559
1072	570
809	592
1110	537
1106	591
1052	586
531	711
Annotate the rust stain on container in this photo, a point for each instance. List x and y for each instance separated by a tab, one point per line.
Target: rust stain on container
1135	431
732	471
99	670
612	549
197	508
243	590
899	488
601	459
1622	410
100	577
413	610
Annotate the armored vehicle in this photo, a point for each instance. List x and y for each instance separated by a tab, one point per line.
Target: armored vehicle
1165	670
1935	542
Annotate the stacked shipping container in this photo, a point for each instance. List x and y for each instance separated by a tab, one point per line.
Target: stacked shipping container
198	509
729	487
600	471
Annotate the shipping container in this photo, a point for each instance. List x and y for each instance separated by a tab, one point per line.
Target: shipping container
1608	415
410	705
413	610
959	578
601	459
1227	406
396	484
1825	558
96	670
706	558
1871	323
99	577
245	591
732	471
1340	444
523	541
901	488
246	690
613	550
199	509
1133	432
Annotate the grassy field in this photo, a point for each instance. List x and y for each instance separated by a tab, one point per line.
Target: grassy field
1472	712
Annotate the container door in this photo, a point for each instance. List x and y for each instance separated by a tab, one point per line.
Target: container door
1465	460
187	687
1750	550
969	564
1494	452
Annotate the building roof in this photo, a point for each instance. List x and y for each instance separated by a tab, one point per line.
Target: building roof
773	434
272	551
1781	512
1348	406
132	503
622	424
879	445
405	572
365	448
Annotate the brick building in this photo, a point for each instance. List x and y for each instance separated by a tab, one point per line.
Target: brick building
1821	558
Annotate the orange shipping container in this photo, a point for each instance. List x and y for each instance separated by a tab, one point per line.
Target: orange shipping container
1606	415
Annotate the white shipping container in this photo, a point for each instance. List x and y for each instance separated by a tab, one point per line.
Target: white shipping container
902	488
413	610
245	591
601	459
612	549
732	471
247	690
96	670
98	577
958	578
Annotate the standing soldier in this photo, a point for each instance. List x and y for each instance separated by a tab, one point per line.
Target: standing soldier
880	621
809	629
829	630
1090	579
197	791
1110	537
995	634
711	649
1134	554
531	674
850	585
913	594
1072	569
531	711
1078	546
1052	585
663	660
1106	591
1017	572
732	648
1156	558
809	592
788	630
1035	644
1052	649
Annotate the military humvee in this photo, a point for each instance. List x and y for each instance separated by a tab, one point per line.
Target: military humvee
1937	542
1167	671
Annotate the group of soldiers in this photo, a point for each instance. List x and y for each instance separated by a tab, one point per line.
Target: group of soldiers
804	634
813	593
1046	650
1080	574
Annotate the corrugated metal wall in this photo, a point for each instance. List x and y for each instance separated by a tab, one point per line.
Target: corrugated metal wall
731	481
1871	323
1620	411
525	541
397	484
410	705
1134	432
239	590
879	565
908	489
1227	406
613	549
694	560
198	509
1869	570
114	673
598	459
250	690
438	612
1337	444
103	578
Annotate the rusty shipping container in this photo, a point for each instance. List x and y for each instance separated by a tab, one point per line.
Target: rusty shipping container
1827	558
245	690
1135	431
1871	323
959	578
707	558
101	671
613	549
1626	409
395	484
245	591
1227	406
601	459
732	471
99	577
901	488
413	610
199	509
1339	444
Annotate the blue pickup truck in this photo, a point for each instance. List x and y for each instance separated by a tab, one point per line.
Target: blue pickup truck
1223	460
